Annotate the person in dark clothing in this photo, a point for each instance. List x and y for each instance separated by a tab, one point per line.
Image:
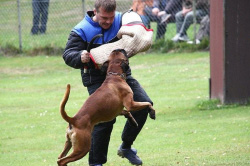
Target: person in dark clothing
139	6
40	16
203	32
163	12
106	21
185	17
169	11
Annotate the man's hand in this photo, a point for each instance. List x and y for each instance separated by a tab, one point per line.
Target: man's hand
155	11
185	10
85	56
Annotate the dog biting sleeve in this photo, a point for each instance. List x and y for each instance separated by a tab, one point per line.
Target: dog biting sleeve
133	36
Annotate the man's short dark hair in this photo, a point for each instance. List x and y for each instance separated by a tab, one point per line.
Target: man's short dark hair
108	5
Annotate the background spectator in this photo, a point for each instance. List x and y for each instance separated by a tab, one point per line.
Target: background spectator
139	7
184	18
204	30
171	8
40	16
152	16
165	11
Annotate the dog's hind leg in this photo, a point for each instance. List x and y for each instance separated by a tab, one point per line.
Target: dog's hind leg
81	146
130	118
72	157
67	147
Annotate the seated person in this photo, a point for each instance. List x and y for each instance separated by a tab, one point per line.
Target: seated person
144	9
171	8
204	30
138	6
185	17
164	11
150	16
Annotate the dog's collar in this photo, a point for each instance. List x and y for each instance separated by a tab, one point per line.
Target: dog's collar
123	75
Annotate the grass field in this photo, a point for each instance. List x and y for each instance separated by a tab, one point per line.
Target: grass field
189	129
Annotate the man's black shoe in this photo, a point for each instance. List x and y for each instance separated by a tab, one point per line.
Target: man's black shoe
130	154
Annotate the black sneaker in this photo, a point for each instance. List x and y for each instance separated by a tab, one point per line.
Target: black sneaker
130	154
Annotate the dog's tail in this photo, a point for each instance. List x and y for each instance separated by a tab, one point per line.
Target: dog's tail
62	106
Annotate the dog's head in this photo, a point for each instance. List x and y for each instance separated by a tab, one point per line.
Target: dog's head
118	60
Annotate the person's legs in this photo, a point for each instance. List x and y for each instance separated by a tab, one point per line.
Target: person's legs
188	20
179	18
44	15
36	17
148	13
100	137
200	14
161	29
101	133
204	28
145	20
100	142
130	133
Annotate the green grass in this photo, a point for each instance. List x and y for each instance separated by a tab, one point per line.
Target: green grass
189	129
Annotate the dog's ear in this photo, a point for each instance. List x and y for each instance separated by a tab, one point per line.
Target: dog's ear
125	66
104	68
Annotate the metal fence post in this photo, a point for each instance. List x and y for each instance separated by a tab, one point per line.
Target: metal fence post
195	21
19	25
83	8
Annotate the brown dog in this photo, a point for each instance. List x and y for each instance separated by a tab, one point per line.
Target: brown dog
103	105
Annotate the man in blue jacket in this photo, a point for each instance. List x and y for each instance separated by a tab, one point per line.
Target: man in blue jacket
106	21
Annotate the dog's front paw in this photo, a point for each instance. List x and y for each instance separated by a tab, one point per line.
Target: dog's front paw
151	113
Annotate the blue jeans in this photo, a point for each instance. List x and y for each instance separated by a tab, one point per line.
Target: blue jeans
40	16
184	22
145	20
102	131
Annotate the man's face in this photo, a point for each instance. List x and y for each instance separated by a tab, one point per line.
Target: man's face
105	19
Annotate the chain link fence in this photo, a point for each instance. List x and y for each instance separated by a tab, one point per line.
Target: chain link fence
18	29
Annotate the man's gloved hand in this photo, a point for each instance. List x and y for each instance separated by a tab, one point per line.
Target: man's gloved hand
85	56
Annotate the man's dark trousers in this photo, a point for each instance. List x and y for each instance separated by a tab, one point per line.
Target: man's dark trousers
102	131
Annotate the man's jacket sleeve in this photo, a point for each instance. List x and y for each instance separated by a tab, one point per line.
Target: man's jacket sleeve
72	52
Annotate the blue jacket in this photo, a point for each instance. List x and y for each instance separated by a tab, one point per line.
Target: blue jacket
79	39
87	29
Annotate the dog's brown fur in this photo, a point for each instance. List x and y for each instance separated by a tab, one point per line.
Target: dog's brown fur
103	105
